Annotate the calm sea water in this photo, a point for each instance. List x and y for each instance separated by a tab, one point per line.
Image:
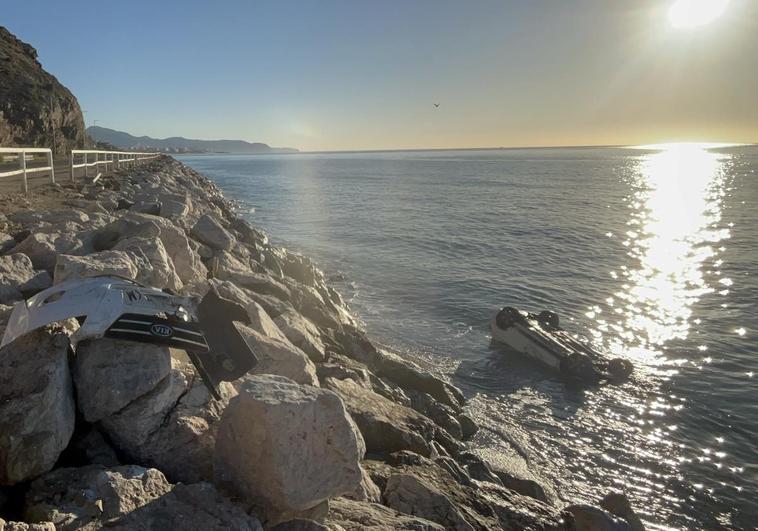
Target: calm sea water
650	254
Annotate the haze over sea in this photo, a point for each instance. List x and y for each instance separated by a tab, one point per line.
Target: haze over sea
649	253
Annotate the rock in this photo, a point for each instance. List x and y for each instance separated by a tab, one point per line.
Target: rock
367	490
409	494
147	207
76	498
390	366
208	230
187	262
198	507
154	265
23	526
130	498
619	505
109	374
359	516
302	333
118	263
512	470
285	448
262	323
16	272
256	282
298	524
36	405
6	242
589	518
441	414
279	357
386	426
468	426
43	249
35	102
173	427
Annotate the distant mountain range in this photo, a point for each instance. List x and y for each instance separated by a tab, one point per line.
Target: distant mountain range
178	144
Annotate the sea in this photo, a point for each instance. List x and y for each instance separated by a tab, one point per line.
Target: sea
649	253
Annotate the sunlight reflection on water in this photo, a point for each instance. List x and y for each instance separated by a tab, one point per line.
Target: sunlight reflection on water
675	202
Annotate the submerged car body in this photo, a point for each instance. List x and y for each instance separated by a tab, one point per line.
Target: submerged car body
119	308
539	337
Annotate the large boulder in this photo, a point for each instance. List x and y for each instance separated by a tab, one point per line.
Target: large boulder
110	374
43	248
130	498
118	263
402	372
209	231
353	515
277	356
155	267
285	448
386	426
18	279
431	491
302	333
36	404
82	498
173	427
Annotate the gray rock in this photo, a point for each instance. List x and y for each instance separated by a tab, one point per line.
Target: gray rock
23	526
130	498
386	426
279	357
209	231
514	473
302	333
154	265
590	518
36	405
109	374
286	448
173	427
43	249
367	490
262	323
16	270
409	494
83	498
198	507
619	505
118	263
353	515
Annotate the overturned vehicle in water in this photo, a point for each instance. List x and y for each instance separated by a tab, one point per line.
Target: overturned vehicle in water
540	337
119	308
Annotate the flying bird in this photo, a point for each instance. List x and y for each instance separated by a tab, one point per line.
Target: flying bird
436	105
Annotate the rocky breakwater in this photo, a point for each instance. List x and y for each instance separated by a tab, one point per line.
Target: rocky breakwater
328	431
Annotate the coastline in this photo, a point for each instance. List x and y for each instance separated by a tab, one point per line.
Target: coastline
408	465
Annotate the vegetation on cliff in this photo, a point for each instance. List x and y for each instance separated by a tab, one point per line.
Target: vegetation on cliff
35	109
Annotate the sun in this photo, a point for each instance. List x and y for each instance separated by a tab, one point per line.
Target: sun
695	13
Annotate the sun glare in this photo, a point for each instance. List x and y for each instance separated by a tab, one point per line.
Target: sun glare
695	13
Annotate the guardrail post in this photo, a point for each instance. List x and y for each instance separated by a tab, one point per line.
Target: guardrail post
71	159
85	164
22	165
52	166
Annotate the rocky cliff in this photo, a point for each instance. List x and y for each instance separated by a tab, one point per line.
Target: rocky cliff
35	109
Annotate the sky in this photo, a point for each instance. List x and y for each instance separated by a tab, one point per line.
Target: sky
351	75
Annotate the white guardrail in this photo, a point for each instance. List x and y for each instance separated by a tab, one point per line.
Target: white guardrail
21	154
116	158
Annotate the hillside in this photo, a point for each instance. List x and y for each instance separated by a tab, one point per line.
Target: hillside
179	144
35	109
